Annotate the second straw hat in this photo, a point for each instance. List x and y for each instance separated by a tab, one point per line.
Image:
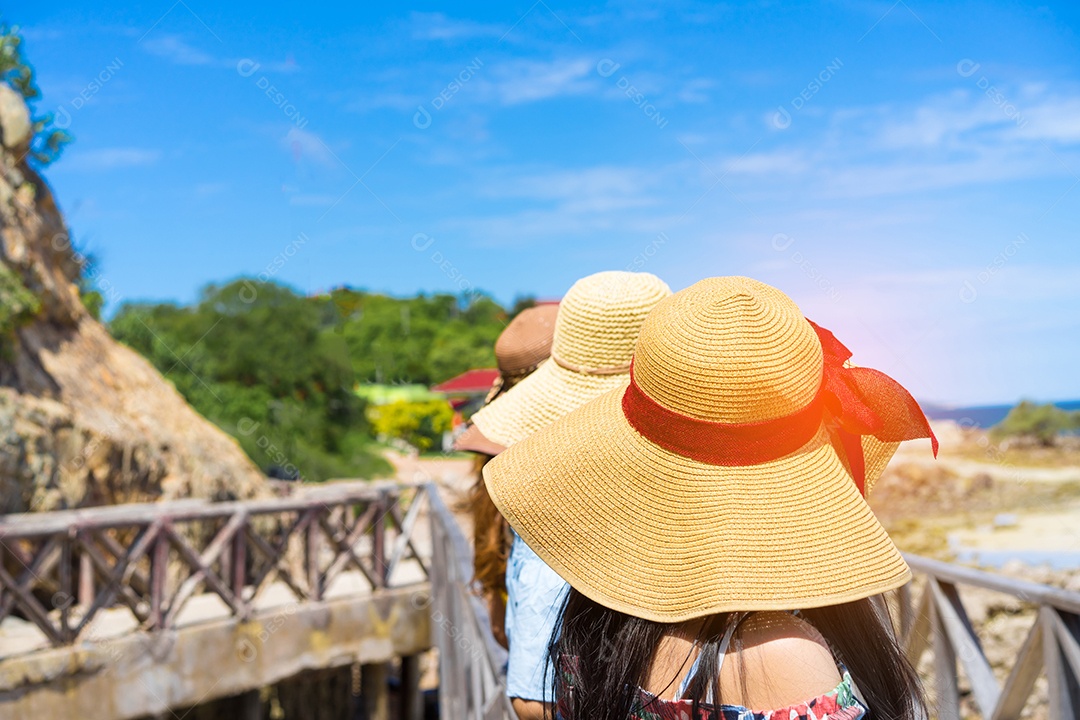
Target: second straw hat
595	332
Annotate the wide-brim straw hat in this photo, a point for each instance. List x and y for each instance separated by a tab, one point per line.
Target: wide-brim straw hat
595	333
473	440
724	475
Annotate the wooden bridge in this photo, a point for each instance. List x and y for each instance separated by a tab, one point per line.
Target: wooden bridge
145	610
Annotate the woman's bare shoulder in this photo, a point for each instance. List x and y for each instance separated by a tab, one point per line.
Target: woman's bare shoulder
783	661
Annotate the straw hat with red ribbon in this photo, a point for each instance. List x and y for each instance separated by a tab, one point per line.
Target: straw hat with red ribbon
595	332
727	472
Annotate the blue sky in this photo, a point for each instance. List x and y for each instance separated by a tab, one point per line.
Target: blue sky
909	172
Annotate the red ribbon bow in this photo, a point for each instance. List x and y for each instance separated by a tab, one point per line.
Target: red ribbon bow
862	401
852	402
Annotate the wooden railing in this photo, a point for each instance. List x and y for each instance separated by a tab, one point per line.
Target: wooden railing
59	570
471	682
938	622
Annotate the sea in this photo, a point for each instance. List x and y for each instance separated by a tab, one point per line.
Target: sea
983	416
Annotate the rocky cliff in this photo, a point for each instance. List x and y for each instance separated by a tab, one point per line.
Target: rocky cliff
83	419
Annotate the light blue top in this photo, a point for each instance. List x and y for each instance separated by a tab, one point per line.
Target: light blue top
533	609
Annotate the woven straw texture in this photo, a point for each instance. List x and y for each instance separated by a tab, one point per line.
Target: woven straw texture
472	440
595	333
656	535
526	341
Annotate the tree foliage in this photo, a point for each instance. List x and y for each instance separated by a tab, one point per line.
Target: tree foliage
1044	423
423	339
279	370
48	141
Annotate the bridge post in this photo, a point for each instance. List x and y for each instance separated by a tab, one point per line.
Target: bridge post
86	579
239	569
159	568
412	702
250	706
311	555
375	691
378	539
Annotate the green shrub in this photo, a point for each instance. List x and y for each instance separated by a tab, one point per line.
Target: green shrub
17	304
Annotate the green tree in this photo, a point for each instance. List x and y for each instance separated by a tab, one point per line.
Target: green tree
279	370
261	361
1044	423
523	302
424	339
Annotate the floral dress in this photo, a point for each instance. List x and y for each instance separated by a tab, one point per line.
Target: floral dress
838	704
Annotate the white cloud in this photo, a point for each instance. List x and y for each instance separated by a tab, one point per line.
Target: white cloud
308	145
208	189
507	83
959	139
979	118
695	90
437	26
392	100
767	163
522	81
111	158
1056	120
177	51
34	34
308	200
596	189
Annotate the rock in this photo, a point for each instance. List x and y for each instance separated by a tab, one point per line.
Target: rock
84	420
15	125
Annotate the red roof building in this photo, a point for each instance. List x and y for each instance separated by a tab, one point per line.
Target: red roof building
470	382
467	391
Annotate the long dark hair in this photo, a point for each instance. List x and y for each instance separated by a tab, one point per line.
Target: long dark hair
613	653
